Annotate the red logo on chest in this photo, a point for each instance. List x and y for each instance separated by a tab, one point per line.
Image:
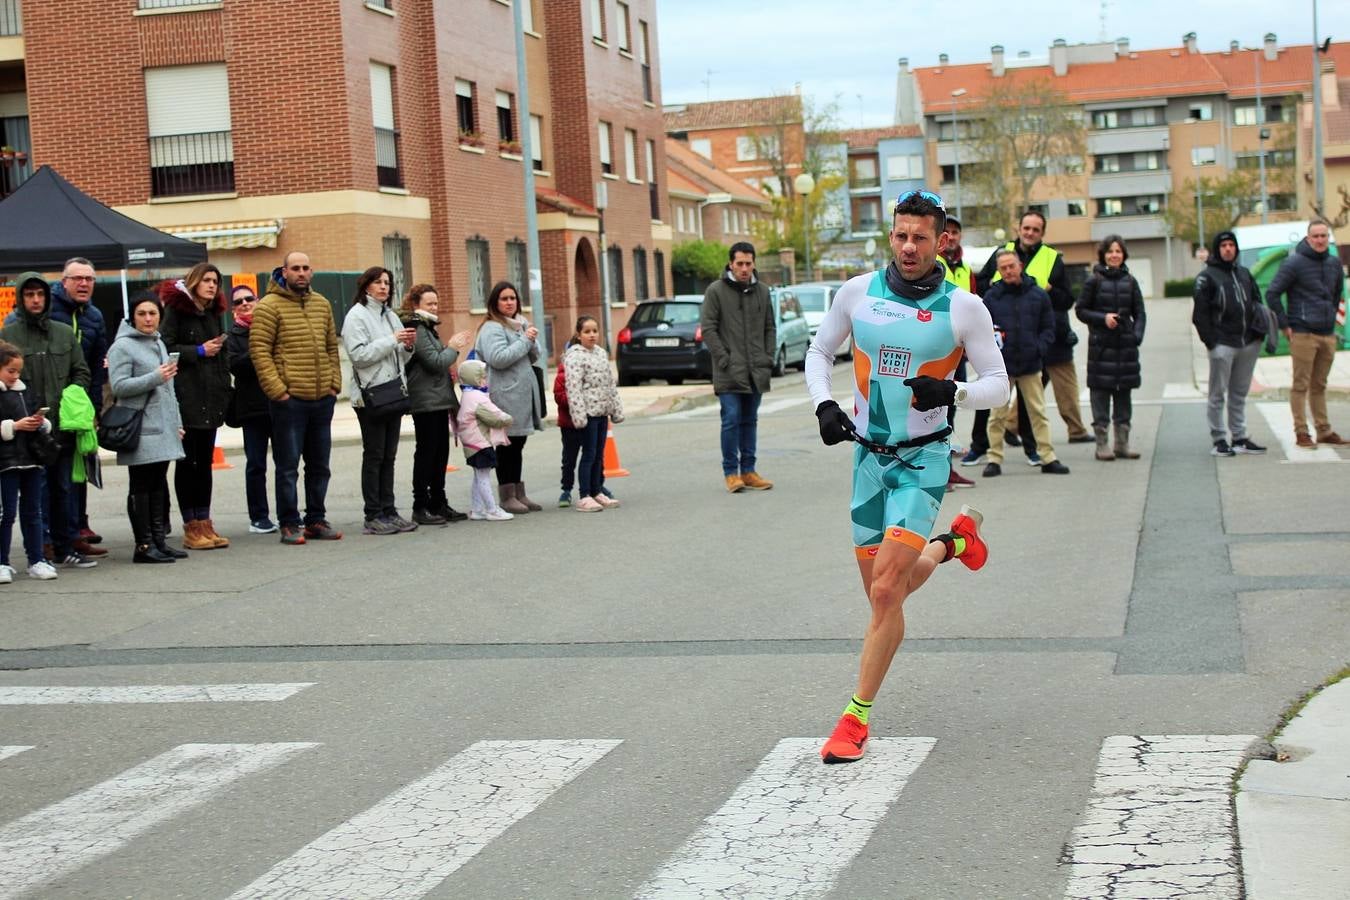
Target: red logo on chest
925	316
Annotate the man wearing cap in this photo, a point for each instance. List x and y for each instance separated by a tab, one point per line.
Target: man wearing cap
1046	265
909	327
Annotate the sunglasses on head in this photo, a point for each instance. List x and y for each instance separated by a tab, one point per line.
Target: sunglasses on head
927	195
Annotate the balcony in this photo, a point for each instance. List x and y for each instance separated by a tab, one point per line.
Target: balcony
1130	184
1128	140
387	172
11	18
859	186
1129	227
186	164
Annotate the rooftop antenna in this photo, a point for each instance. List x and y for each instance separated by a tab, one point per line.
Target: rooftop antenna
707	82
1102	16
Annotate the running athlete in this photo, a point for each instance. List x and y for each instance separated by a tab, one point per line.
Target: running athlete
910	327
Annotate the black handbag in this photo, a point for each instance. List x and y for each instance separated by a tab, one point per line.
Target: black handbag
387	399
120	428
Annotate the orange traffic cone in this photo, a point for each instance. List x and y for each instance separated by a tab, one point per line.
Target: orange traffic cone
218	459
613	468
452	468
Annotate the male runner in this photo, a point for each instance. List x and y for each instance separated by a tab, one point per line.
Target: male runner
910	327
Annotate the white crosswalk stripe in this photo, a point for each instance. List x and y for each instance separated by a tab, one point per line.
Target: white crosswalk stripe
7	752
1160	823
411	841
73	832
793	825
1281	420
43	695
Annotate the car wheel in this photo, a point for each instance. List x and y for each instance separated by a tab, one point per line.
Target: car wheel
780	362
626	379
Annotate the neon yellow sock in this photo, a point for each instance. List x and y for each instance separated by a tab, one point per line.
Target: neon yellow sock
859	709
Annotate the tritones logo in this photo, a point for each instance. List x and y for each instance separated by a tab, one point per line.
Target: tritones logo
890	310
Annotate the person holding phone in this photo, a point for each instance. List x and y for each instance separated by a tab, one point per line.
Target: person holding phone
379	346
192	328
20	469
509	344
142	376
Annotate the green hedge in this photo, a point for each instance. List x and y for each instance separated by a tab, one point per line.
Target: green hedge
1178	287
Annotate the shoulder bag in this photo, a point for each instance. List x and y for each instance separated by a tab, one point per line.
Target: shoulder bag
386	399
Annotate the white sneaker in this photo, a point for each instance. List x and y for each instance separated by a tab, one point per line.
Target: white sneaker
588	504
42	571
476	516
498	515
6	574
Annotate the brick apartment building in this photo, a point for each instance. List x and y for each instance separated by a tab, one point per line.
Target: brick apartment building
709	204
745	138
1155	119
364	133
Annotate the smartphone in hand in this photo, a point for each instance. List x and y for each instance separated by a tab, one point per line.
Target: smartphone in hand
173	357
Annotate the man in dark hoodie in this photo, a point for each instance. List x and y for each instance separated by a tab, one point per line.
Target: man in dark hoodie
1227	317
52	362
1314	281
739	330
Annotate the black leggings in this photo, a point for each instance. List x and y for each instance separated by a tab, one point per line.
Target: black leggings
431	453
146	478
192	475
509	461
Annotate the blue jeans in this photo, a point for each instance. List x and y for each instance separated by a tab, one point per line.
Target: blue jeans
58	515
740	424
302	428
21	490
257	435
571	447
591	474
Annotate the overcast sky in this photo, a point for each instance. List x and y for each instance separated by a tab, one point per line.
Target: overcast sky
850	48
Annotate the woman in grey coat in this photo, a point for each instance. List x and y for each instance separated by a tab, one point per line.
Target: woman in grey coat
140	374
509	344
379	347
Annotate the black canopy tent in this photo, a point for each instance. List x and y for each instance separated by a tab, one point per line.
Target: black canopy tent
48	220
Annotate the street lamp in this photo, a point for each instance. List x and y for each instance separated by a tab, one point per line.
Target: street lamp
1261	133
956	138
804	184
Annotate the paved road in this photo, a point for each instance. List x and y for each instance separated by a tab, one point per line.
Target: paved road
629	704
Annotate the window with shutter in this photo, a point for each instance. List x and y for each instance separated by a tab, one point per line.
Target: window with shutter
188	113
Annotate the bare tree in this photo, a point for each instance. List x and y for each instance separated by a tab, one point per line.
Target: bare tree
1021	134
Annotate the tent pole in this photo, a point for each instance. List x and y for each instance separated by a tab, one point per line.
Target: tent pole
125	311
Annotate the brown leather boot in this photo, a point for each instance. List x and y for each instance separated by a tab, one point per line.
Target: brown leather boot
520	495
194	538
209	529
754	482
509	501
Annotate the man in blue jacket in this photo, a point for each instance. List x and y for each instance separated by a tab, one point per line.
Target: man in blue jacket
71	304
1025	322
1314	281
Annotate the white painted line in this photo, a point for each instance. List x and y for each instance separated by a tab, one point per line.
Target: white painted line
149	693
1177	390
706	409
774	406
7	752
412	840
1281	420
793	825
58	839
1160	822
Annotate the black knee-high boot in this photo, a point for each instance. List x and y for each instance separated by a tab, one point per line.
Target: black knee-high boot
159	523
141	506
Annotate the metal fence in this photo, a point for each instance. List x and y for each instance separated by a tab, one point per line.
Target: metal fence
192	164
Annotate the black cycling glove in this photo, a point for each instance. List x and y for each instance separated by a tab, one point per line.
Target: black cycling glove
835	425
931	393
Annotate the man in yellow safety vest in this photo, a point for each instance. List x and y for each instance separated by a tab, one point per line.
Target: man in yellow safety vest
1046	265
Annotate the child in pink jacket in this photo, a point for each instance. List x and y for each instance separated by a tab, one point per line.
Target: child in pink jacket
481	427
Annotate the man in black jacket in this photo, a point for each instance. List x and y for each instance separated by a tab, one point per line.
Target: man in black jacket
1227	318
1025	322
1314	281
1045	265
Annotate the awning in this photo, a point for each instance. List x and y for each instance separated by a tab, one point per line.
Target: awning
230	235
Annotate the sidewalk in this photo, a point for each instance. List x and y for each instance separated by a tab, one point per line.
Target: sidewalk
1274	375
1294	815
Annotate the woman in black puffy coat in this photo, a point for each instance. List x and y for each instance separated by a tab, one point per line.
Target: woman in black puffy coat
1112	306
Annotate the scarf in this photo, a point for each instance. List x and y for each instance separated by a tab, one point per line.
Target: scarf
244	318
954	255
913	290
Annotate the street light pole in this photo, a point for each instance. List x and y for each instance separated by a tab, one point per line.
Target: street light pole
1261	136
1318	189
1200	211
532	264
804	184
956	142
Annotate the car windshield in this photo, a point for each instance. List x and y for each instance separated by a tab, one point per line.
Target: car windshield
670	313
811	299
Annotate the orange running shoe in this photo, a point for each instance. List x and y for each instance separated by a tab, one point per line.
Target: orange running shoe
967	525
846	743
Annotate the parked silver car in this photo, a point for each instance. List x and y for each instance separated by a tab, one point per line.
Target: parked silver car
815	298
